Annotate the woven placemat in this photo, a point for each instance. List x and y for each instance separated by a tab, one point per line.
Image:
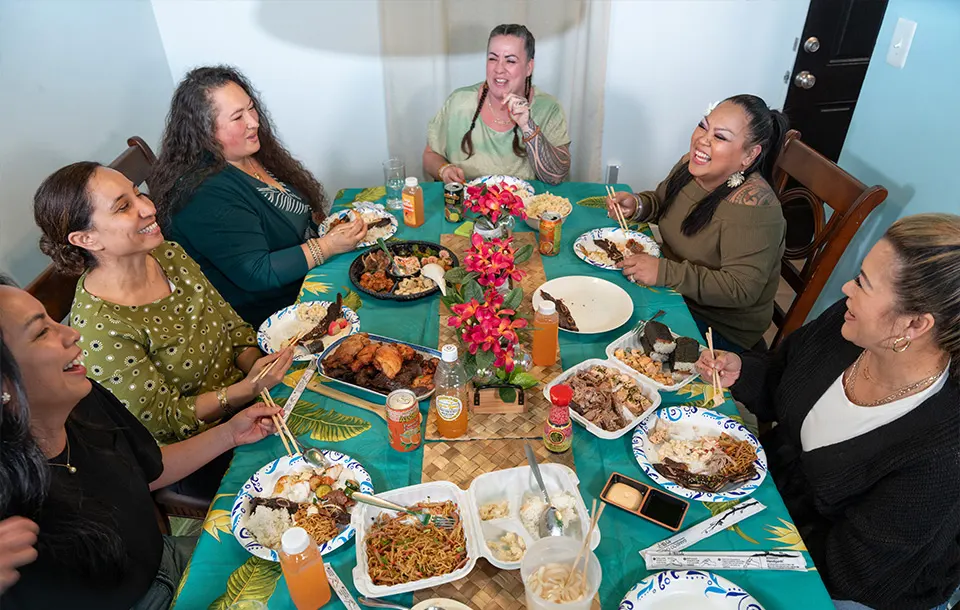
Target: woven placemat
486	587
526	425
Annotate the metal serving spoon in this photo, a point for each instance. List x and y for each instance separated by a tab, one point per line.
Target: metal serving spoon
550	523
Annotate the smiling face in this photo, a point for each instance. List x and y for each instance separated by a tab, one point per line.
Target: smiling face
123	220
871	320
46	352
237	124
720	145
507	66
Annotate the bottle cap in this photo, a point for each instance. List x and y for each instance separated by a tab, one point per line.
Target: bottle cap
295	541
411	181
561	395
559	416
449	353
547	308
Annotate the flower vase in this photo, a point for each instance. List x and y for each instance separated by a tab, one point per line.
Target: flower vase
501	229
504	288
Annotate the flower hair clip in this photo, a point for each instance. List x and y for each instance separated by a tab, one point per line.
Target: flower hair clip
711	108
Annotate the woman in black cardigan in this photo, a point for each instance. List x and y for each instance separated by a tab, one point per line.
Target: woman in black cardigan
866	450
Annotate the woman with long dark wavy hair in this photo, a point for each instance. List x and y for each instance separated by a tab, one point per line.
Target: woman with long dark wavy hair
503	125
722	227
236	200
78	525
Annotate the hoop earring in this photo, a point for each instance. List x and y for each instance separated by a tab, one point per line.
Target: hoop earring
735	180
897	347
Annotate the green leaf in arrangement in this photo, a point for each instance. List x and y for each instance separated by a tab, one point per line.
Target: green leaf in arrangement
502	375
371	194
323	424
470	364
508	395
523	254
524	380
457	275
472	290
351	299
485	359
593	202
513	298
255	580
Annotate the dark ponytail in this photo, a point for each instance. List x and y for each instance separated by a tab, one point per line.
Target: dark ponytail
530	47
767	128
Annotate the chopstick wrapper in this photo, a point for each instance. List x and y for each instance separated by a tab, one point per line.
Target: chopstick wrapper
728	560
308	374
340	589
705	529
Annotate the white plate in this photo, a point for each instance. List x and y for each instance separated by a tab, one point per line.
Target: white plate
694	421
286	323
423	351
521	187
648	391
372	211
597	306
266	478
614	234
630	340
679	590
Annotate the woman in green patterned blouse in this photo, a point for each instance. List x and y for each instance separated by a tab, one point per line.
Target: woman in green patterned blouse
480	128
155	332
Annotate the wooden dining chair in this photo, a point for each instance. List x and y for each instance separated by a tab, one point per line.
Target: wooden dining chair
54	289
805	179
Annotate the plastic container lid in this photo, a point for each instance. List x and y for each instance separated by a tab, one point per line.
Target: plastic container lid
561	394
295	541
547	308
411	181
449	354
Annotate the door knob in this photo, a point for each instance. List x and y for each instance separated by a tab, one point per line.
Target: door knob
805	80
812	45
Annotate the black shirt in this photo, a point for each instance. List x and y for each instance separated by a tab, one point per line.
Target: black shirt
116	459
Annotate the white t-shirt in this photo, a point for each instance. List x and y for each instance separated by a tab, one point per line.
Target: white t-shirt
835	419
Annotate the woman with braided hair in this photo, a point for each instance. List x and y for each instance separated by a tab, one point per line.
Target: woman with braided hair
503	125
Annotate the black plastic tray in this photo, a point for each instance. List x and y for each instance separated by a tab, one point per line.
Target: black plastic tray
398	248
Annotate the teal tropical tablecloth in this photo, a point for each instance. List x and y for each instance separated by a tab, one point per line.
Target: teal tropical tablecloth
221	571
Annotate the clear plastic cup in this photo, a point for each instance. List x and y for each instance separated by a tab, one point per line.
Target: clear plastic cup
562	550
394	174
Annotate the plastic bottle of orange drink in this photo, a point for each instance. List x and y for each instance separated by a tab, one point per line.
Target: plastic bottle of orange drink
450	399
412	203
546	328
303	570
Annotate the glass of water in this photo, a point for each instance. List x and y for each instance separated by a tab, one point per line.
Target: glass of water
394	174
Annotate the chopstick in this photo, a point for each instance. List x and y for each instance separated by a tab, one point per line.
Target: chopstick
378	410
621	219
586	542
299	337
717	388
281	425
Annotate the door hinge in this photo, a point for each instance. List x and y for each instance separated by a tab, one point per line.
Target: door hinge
796	44
786	77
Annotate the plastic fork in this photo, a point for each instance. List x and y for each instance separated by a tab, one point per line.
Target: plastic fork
446	523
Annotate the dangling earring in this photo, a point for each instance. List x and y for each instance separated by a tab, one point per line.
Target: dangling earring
735	180
5	398
900	348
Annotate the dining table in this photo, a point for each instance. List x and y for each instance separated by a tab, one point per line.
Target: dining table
221	572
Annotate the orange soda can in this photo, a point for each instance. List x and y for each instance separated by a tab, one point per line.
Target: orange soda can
403	420
550	233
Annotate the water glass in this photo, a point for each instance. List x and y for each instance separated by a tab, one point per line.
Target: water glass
562	550
394	174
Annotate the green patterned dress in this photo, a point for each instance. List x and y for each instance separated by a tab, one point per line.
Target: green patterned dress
157	358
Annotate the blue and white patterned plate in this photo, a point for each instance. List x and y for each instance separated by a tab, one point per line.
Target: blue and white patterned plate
286	323
584	246
705	421
687	589
521	187
266	477
371	212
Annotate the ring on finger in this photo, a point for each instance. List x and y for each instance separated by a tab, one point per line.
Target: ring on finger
631	278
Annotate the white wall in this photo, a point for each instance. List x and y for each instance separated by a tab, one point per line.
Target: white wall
77	77
669	59
316	65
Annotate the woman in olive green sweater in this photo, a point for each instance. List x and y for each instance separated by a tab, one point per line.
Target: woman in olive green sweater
722	227
237	201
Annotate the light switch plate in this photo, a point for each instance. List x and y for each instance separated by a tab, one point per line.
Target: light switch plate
900	45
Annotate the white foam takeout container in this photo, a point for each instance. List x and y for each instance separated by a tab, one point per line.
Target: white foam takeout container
647	387
512	484
630	340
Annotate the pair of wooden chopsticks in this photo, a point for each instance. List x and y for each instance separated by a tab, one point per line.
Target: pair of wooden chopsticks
281	425
296	340
586	542
621	219
717	388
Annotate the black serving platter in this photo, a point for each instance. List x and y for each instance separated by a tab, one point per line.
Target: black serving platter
399	248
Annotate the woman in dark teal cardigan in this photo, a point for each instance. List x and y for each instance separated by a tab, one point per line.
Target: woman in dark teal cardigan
236	200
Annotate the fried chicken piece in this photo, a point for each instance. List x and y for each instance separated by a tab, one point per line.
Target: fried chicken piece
423	381
365	357
406	352
348	350
388	360
429	366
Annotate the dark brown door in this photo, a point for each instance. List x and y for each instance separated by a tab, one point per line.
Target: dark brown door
832	58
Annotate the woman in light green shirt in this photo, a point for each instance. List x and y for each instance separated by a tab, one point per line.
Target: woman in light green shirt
503	125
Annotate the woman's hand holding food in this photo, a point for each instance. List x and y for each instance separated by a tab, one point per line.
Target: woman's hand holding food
727	364
452	173
18	537
519	109
252	424
627	203
344	237
641	269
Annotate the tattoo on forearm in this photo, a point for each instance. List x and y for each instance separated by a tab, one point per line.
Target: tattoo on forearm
550	163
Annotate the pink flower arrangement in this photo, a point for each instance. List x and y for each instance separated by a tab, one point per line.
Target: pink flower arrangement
488	327
493	201
494	260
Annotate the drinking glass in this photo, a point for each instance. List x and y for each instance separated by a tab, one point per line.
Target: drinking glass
394	174
562	550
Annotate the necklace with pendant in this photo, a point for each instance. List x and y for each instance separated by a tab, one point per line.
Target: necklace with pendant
896	395
495	119
70	467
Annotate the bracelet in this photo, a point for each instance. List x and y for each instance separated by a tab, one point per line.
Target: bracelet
316	252
642	213
224	403
535	133
440	171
